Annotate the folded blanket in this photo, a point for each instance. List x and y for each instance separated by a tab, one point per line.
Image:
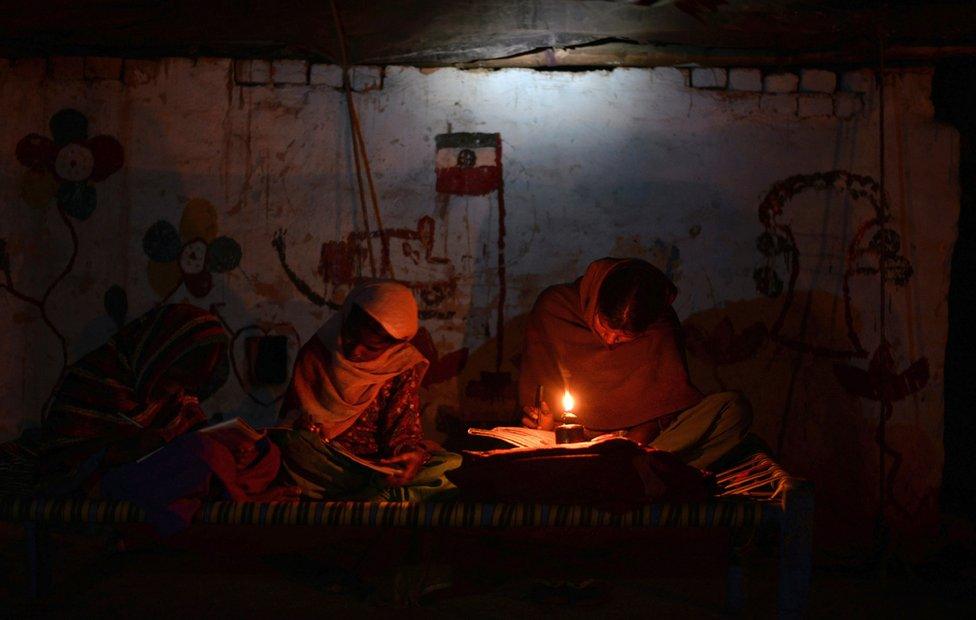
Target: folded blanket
605	472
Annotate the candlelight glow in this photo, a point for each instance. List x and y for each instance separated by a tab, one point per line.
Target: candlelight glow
568	401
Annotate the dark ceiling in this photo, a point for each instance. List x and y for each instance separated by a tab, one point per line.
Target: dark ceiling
497	32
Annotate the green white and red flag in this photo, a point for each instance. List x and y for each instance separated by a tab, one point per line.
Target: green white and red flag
468	164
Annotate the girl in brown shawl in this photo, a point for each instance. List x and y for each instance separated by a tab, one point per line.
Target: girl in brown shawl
356	387
613	340
135	393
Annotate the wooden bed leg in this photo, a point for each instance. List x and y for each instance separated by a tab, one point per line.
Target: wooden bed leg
796	545
411	576
735	597
38	559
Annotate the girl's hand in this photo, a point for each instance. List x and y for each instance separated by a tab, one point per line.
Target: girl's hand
410	462
538	417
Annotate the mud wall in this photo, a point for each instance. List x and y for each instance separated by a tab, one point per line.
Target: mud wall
232	185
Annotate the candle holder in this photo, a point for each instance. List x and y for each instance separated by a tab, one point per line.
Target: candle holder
570	431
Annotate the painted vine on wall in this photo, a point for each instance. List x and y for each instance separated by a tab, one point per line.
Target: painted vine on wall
62	170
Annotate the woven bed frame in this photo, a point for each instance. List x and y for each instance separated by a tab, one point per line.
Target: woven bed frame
757	493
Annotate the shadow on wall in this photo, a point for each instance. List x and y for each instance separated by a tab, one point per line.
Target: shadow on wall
819	430
486	395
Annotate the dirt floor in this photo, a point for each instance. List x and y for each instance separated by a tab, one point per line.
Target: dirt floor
301	573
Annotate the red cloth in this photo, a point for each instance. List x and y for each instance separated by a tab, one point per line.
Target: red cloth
171	484
617	388
603	472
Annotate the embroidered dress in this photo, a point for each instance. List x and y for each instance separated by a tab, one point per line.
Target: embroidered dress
391	424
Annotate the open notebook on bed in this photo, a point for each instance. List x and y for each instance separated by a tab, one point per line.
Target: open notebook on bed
522	437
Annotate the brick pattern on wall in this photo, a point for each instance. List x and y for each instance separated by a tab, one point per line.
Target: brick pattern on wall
247	72
807	93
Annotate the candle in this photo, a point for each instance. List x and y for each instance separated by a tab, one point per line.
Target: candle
568	402
569	431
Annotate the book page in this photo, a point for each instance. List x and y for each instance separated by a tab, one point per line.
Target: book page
234	426
518	436
375	466
233	433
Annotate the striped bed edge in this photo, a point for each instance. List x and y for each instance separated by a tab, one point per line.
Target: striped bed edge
735	513
749	495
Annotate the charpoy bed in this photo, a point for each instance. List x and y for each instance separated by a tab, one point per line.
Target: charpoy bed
755	494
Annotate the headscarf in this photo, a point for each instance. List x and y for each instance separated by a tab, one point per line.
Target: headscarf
333	390
614	389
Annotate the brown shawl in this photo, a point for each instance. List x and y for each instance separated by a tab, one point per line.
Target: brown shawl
614	389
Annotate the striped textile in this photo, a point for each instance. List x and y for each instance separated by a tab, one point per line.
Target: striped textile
748	497
719	513
15	509
121	385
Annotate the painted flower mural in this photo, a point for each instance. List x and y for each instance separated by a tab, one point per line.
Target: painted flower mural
191	255
67	166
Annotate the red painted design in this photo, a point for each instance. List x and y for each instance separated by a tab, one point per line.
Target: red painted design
67	166
466	179
476	181
881	381
238	354
338	261
876	254
342	263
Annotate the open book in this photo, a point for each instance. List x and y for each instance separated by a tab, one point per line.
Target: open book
368	463
518	436
237	429
522	437
233	432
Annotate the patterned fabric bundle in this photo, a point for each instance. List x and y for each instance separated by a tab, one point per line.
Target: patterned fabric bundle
150	375
133	380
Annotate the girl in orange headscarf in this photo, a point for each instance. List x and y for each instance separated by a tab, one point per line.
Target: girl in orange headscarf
356	387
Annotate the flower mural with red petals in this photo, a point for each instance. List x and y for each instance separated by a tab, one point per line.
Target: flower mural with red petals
67	165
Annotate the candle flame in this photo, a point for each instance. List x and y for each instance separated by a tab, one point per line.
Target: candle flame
568	401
